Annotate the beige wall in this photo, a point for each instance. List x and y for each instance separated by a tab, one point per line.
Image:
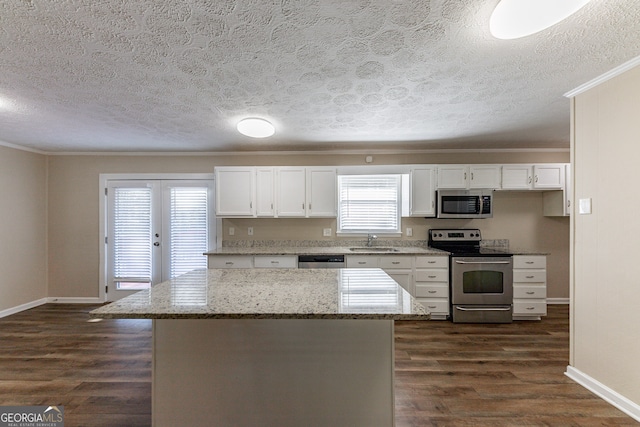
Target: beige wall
23	231
74	216
605	335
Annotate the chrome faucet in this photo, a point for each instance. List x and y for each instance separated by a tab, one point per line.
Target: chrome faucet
370	239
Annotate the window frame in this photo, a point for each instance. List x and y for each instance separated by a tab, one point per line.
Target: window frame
362	231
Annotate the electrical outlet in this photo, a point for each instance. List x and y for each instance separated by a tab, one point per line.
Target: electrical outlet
232	231
250	231
409	232
326	232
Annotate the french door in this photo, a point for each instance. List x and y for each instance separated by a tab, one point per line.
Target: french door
155	230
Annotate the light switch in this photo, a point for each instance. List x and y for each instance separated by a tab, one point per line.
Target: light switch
232	231
326	232
409	232
584	206
250	231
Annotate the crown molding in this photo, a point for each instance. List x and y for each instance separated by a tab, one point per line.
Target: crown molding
604	77
22	148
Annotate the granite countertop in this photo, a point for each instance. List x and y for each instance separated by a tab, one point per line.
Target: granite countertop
271	294
328	250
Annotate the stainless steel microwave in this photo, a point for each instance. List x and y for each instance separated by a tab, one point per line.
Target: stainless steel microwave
465	203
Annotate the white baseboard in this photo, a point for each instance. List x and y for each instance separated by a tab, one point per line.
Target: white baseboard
51	300
619	401
22	307
558	301
74	300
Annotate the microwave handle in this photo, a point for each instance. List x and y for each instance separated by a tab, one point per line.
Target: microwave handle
481	203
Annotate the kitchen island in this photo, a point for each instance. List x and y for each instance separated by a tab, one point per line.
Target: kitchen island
272	347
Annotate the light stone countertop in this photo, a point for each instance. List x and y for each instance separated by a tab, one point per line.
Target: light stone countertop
320	250
271	294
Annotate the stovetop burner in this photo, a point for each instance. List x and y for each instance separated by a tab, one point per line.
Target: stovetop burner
462	242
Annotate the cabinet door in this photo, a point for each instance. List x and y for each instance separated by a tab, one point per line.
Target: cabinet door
265	192
422	200
517	177
453	176
484	176
548	176
321	192
235	191
290	192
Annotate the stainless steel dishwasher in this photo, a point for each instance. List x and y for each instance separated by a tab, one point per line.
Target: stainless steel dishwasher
321	261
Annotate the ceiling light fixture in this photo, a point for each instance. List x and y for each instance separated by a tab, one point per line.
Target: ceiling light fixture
255	127
512	19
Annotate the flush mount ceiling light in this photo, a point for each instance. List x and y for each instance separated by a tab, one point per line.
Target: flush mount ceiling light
255	127
512	19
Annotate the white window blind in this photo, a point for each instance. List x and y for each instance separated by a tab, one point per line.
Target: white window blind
188	229
132	253
369	203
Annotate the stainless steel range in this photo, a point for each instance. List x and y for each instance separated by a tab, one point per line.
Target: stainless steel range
481	279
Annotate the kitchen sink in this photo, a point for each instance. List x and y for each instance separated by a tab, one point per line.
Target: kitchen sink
374	249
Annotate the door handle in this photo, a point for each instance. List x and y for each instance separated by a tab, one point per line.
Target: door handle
482	262
156	243
484	309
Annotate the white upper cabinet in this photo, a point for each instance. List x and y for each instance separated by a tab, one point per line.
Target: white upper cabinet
291	192
484	176
463	177
235	191
533	177
549	176
517	177
453	177
423	192
321	192
265	195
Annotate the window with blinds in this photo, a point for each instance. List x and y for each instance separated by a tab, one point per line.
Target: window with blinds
369	203
188	229
132	228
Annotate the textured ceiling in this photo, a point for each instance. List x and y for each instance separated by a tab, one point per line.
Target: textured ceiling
176	75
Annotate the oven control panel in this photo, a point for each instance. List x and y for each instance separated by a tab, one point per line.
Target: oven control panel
453	235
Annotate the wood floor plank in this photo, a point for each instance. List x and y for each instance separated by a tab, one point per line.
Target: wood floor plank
446	374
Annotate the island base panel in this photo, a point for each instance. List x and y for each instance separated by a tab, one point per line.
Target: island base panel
270	372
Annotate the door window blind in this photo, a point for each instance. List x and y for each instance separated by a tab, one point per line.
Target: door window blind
369	203
132	228
188	229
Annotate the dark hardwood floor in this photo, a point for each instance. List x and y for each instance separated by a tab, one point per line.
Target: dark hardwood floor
446	374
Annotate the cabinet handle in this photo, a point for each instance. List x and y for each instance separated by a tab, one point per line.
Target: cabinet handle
531	308
431	277
275	262
229	263
432	292
471	176
303	206
530	293
530	277
536	178
529	181
431	262
529	262
431	306
568	203
465	176
433	204
395	262
250	205
362	262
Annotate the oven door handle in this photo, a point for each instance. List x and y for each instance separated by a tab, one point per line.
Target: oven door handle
482	262
484	309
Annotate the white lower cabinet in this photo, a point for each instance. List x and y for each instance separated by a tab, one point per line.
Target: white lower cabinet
431	284
280	261
398	267
529	287
230	261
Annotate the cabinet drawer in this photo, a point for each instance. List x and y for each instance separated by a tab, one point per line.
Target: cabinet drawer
537	276
533	307
395	262
432	262
529	292
432	291
435	306
275	262
362	262
432	276
529	261
230	262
